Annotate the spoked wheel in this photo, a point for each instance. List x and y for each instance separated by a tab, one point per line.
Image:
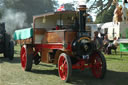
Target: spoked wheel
64	67
26	59
98	65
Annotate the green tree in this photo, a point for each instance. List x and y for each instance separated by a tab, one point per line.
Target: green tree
106	16
99	6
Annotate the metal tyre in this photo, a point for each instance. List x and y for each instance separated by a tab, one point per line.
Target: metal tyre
6	45
64	67
26	59
9	52
98	65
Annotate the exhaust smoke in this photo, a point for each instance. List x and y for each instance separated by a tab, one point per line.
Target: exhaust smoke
13	20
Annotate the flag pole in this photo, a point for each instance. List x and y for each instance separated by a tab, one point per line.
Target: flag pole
60	20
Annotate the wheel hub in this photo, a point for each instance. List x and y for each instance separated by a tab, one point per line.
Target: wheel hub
97	66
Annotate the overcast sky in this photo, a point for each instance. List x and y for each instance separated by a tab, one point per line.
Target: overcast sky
71	1
64	1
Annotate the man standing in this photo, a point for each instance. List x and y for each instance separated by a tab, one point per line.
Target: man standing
98	41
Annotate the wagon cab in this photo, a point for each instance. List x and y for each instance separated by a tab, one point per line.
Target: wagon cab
54	28
60	38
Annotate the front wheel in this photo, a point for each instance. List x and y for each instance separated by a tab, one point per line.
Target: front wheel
98	65
64	67
26	59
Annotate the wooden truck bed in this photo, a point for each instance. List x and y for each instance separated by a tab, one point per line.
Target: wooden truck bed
24	41
41	36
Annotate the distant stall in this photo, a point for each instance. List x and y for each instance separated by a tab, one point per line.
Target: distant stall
123	45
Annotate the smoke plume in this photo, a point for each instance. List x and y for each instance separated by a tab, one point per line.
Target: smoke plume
13	20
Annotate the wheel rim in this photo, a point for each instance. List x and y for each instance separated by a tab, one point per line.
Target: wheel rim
23	57
97	66
63	67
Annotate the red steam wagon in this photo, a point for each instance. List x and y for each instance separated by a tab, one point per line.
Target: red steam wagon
61	38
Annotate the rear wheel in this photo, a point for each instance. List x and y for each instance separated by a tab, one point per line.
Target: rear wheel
98	65
26	58
64	67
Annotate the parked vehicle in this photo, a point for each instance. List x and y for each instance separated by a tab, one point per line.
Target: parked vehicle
69	46
6	44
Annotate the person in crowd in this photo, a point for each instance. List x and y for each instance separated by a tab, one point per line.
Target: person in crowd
113	45
98	41
57	27
106	42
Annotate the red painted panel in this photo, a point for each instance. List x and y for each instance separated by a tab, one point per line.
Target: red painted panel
50	46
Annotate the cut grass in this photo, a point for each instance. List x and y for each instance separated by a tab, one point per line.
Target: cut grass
47	74
117	63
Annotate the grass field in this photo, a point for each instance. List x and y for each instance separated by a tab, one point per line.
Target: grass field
47	74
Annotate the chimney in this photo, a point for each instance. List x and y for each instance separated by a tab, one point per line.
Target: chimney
82	18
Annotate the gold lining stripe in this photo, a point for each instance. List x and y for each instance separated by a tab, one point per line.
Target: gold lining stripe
84	38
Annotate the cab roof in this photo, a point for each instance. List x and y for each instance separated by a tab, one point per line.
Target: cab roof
55	13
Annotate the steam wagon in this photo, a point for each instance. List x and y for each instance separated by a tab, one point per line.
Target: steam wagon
60	38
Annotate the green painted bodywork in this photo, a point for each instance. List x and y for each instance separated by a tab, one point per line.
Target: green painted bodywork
23	34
